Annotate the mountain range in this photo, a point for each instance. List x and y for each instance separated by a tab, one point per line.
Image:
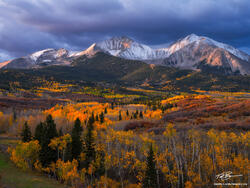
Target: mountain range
192	52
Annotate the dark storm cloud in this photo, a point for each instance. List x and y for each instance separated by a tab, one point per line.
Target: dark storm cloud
30	25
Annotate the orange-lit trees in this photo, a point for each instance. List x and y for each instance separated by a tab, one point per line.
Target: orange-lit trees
24	155
67	171
115	156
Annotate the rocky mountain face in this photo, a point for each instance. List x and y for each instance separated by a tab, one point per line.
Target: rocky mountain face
2	64
192	52
127	48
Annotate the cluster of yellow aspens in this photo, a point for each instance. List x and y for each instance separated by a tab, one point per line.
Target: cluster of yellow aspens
188	158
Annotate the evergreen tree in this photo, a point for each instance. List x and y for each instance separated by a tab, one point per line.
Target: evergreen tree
97	117
89	145
91	120
14	115
141	115
150	179
93	117
162	109
127	113
101	117
135	115
76	139
105	111
26	133
112	105
120	116
39	132
154	108
68	152
48	155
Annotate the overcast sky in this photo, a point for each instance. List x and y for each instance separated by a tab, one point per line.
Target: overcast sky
30	25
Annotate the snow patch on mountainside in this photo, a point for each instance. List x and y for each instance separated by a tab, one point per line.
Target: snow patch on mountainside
201	39
36	55
191	56
231	49
126	48
40	59
182	43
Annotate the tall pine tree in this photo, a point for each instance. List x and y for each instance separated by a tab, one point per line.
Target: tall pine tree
89	144
68	153
39	132
76	139
97	117
120	116
93	117
48	155
150	179
101	117
26	133
141	115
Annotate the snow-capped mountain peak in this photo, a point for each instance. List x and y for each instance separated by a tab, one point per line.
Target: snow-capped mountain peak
54	53
182	43
127	48
193	50
90	51
41	58
229	48
193	38
190	39
116	43
187	52
37	54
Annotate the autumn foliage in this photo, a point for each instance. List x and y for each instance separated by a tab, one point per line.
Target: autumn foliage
119	148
